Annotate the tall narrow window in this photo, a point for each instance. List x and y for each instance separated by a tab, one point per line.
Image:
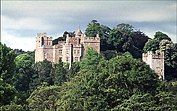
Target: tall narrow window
67	52
78	51
67	59
60	58
60	52
76	59
74	51
79	41
42	39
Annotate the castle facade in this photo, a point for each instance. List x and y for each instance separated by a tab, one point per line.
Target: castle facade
74	48
70	50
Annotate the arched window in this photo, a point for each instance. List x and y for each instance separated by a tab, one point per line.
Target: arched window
42	39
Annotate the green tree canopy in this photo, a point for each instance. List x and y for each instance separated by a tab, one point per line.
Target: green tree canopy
44	98
59	73
108	85
91	60
7	93
42	74
153	44
23	76
94	28
23	60
7	65
124	38
161	36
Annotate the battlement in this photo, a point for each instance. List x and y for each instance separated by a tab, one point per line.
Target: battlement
91	39
43	35
77	45
154	55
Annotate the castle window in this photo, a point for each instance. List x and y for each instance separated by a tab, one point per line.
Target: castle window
60	58
74	51
79	41
76	59
67	59
60	51
45	55
42	39
78	51
67	52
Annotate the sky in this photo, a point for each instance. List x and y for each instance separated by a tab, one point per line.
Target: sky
22	20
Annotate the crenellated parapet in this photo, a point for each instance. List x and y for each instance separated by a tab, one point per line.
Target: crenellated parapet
77	45
91	39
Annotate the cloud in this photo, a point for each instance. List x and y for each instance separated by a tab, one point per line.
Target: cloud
150	33
116	10
25	23
23	19
15	42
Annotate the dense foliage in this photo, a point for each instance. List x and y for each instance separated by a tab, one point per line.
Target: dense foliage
115	79
121	38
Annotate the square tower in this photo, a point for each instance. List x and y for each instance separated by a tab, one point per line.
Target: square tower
156	62
43	48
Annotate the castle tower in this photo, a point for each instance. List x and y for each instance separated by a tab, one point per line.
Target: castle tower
156	62
43	48
92	42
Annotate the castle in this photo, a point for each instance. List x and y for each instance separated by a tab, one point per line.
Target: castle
156	62
70	50
74	48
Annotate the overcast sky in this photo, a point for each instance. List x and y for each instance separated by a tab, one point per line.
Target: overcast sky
22	20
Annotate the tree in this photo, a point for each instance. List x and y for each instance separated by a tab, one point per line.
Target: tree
94	28
23	61
161	36
42	74
59	73
125	28
75	68
170	59
108	85
7	64
141	77
166	101
153	44
12	107
91	60
124	38
44	98
7	93
7	69
108	54
23	76
138	102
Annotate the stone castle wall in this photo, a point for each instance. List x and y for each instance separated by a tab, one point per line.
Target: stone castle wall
156	62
